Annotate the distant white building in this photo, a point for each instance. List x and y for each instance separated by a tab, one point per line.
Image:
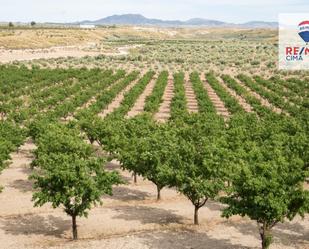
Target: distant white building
87	26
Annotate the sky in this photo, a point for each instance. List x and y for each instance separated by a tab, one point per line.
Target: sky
235	11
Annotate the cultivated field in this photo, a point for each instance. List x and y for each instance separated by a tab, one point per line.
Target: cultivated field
192	49
185	81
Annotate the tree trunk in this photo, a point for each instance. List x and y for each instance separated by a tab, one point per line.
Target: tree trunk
74	227
158	193
266	236
196	208
134	177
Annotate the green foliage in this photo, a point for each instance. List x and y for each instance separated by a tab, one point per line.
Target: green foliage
204	103
140	145
268	186
11	137
179	102
89	124
197	163
275	86
250	99
68	174
230	102
131	96
59	139
106	97
272	97
263	155
37	127
127	142
154	100
80	93
157	150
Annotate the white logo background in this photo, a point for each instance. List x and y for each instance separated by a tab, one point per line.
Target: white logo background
289	37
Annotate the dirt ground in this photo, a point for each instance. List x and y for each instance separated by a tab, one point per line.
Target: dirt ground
44	37
7	56
21	38
131	218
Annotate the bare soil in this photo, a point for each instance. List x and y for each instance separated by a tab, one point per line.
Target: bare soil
217	102
11	55
7	56
192	104
263	101
247	107
140	102
119	98
163	113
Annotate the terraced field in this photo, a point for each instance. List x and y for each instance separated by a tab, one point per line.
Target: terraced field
32	99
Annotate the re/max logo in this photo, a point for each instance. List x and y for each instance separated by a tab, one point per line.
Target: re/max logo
296	53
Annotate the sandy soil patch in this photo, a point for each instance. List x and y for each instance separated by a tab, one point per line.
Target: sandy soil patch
140	102
239	98
11	55
192	103
264	101
119	98
7	56
215	99
163	113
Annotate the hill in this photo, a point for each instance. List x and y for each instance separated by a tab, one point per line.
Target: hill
140	20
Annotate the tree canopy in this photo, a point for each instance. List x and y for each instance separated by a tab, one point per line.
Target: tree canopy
268	186
197	162
68	173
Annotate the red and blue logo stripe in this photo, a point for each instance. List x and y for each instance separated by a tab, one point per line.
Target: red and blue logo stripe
304	31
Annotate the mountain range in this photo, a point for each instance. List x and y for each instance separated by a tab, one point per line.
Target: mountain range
140	20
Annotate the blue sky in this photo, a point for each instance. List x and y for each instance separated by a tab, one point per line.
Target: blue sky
76	10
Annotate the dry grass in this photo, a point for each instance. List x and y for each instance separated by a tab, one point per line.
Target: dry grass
44	38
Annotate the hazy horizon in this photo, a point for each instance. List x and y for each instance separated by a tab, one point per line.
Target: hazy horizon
236	11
